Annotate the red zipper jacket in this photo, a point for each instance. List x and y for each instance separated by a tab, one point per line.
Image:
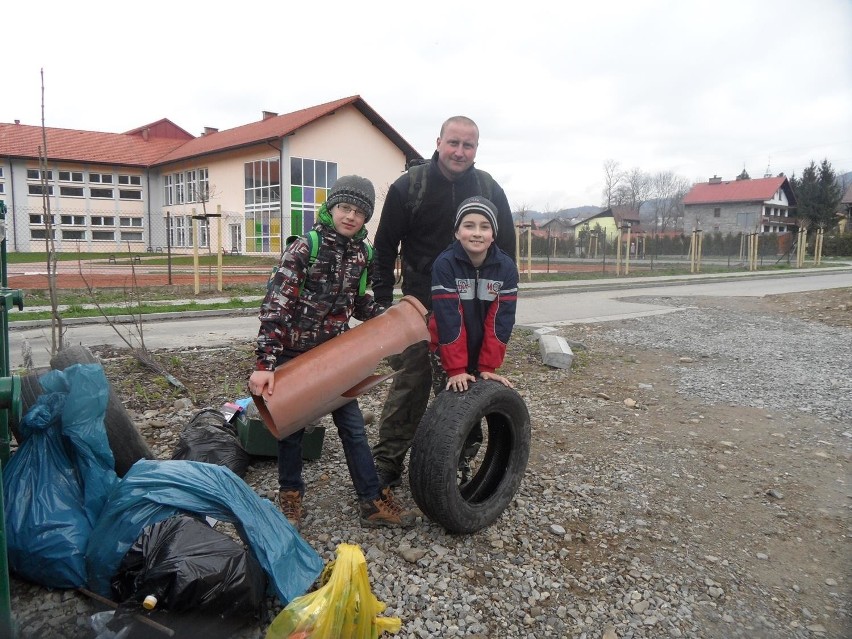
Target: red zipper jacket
473	309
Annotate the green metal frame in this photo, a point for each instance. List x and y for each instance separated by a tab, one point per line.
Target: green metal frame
10	412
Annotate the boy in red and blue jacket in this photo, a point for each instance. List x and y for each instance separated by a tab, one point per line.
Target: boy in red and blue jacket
474	295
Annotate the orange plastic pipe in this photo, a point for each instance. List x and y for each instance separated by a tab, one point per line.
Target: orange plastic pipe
337	371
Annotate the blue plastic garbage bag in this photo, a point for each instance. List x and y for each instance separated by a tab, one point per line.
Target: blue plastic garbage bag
57	482
154	490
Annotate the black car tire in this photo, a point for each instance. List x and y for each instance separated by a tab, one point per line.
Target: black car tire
468	506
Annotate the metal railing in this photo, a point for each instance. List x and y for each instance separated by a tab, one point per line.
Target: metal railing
10	411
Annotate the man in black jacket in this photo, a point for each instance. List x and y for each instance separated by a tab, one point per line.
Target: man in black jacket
417	224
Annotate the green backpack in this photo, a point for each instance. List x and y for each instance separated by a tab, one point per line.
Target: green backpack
418	172
313	240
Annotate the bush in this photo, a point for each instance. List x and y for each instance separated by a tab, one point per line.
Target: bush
834	244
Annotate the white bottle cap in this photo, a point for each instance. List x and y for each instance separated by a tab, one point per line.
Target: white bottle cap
150	602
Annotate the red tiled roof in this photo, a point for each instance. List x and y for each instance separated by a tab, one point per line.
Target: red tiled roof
163	128
23	141
166	142
278	126
757	190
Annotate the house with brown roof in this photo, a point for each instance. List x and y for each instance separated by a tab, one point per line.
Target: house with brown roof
558	227
611	220
744	205
844	215
244	189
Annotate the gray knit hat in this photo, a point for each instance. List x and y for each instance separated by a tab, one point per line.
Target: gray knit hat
354	190
477	204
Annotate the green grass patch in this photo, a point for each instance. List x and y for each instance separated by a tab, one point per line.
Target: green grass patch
156	259
113	296
14	257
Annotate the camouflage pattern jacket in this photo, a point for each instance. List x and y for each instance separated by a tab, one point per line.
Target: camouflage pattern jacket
308	304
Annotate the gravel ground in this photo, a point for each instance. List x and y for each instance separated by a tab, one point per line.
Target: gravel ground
689	477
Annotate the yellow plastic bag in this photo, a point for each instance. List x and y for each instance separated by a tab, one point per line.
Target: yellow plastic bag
343	608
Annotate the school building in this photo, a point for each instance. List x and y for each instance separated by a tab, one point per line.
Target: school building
158	187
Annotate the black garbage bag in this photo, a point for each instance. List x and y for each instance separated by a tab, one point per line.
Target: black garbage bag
204	582
209	437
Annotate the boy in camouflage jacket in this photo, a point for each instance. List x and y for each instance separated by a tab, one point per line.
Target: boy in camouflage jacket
309	302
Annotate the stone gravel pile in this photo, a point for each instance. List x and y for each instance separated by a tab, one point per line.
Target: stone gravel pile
646	518
808	362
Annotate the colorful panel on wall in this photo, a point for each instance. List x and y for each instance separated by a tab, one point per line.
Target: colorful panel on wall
310	182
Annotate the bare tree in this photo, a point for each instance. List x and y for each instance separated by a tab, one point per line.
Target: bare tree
638	188
621	196
521	212
57	331
613	177
133	301
204	192
668	190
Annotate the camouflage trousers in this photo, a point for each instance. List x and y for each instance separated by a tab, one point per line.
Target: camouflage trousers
404	407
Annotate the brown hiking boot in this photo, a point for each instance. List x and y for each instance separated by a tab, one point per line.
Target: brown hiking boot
385	511
290	503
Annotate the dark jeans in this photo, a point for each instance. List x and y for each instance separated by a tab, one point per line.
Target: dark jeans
356	449
359	458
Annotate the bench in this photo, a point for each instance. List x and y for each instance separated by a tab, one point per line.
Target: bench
136	258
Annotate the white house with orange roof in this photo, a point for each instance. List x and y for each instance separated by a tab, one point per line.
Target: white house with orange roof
158	187
763	205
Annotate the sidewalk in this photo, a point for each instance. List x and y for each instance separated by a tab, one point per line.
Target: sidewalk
527	289
671	280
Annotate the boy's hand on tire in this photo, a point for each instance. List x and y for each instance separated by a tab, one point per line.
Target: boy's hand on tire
497	378
458	383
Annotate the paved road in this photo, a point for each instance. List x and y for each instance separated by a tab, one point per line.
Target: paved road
546	304
576	307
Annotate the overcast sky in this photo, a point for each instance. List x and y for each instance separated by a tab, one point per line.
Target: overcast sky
557	89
